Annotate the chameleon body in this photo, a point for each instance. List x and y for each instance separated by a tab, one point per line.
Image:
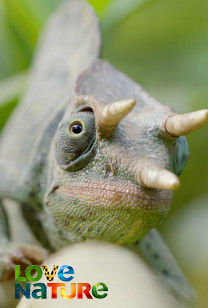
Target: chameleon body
77	176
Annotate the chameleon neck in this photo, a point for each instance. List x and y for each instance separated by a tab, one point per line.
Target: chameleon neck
39	168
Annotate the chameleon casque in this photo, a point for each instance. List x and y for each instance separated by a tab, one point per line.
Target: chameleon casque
88	154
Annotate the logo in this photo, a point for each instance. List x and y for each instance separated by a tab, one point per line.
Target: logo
29	286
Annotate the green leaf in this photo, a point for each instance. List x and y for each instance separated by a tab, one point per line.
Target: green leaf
28	17
100	5
20	25
112	12
13	57
10	92
118	10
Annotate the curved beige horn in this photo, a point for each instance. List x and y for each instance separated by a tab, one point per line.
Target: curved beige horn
153	176
112	114
182	124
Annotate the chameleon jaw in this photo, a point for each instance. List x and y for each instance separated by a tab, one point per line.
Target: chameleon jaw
115	194
110	211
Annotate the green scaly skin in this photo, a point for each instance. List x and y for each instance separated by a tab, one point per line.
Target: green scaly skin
76	187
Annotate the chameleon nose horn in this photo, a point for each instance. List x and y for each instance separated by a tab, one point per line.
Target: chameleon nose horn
156	177
111	115
182	124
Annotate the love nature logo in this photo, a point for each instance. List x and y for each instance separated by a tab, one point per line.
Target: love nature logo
66	289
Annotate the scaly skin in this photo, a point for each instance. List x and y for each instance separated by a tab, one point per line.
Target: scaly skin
89	184
96	194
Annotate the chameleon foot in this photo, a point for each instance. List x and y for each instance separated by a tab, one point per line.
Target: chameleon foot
23	255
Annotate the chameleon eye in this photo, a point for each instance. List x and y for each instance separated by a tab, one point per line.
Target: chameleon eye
74	140
76	128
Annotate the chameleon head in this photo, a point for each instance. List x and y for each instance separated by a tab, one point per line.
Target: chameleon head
114	169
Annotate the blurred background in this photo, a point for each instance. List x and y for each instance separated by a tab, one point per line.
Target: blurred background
161	44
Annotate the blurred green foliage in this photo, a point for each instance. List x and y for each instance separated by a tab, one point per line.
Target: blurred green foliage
11	89
162	44
112	12
20	25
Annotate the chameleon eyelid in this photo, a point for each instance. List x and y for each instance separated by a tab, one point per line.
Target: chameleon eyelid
75	164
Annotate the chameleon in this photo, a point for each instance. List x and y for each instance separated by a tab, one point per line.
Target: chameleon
89	154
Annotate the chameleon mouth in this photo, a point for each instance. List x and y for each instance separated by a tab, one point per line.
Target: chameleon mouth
115	194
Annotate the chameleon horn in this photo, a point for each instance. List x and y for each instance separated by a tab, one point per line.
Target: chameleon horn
112	114
153	176
182	124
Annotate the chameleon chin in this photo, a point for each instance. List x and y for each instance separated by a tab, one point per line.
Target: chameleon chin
88	154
